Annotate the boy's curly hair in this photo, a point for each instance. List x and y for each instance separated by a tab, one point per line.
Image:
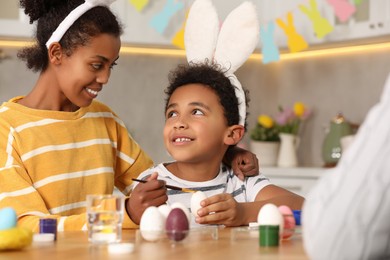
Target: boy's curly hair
212	76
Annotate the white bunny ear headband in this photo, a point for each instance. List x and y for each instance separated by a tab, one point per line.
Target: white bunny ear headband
73	16
229	46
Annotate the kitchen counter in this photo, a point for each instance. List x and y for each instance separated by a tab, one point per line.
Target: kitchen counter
298	179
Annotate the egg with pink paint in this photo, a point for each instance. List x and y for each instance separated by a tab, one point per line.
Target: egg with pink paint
289	221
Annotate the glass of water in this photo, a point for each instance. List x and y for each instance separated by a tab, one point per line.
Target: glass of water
105	217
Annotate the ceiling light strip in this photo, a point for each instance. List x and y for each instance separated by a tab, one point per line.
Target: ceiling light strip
181	53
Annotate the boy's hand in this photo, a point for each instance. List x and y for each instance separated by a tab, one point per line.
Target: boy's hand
244	163
144	195
220	209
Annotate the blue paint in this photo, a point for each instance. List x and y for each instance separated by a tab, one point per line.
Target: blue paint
8	218
297	216
48	225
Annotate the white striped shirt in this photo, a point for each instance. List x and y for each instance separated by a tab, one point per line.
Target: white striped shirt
225	182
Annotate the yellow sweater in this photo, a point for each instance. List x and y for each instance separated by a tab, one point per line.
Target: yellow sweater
50	161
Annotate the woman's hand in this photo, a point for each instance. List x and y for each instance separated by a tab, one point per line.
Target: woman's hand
221	209
144	195
243	162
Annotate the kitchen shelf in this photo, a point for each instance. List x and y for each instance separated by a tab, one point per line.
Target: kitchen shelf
298	179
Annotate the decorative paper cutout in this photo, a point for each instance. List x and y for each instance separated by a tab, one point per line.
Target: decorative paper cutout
295	41
269	49
161	20
139	4
321	26
343	9
178	39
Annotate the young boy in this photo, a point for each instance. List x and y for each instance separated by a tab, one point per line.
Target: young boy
202	123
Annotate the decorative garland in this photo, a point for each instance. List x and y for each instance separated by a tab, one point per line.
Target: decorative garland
342	9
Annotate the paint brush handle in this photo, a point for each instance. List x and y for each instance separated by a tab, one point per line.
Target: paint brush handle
168	186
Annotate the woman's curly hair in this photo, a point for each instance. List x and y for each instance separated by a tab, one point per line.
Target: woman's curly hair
49	14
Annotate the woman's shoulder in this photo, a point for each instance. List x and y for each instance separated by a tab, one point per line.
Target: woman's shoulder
11	112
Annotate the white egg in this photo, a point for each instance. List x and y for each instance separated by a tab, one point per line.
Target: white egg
164	210
196	198
269	215
152	224
184	208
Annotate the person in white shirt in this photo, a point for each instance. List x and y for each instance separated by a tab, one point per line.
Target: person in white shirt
347	214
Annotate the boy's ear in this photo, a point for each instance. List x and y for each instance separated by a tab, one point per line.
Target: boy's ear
234	134
55	53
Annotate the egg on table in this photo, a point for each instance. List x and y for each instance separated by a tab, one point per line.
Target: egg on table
177	225
269	215
152	224
196	198
183	207
164	210
8	218
271	224
289	221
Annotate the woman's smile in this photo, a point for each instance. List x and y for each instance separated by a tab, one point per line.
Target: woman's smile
92	93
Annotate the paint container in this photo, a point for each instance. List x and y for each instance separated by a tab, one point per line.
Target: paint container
48	225
269	235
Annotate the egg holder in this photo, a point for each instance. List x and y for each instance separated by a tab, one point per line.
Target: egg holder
177	237
249	233
12	237
244	233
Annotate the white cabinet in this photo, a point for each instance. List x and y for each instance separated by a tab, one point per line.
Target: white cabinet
271	10
136	25
298	180
371	19
15	25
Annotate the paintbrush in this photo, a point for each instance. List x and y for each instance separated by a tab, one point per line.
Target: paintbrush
169	186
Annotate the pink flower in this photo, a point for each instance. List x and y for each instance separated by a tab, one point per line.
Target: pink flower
290	119
285	116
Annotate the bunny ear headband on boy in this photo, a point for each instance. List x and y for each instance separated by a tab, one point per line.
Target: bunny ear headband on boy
229	46
73	16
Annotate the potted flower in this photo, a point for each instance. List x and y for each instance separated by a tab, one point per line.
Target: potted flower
265	140
289	121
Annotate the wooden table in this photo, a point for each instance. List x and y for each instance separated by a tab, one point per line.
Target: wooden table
230	244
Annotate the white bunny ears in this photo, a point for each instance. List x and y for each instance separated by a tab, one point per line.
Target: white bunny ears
73	16
230	47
